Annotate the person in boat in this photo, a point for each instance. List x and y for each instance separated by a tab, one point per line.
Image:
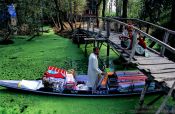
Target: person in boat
93	70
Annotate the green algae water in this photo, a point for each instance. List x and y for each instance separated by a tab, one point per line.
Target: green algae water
30	59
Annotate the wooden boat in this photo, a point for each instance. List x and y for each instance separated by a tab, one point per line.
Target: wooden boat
36	86
120	83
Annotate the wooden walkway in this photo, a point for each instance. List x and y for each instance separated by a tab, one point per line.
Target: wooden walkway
158	67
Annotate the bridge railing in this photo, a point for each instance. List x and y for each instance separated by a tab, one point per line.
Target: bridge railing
164	33
108	25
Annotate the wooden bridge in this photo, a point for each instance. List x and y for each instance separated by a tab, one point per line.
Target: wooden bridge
156	66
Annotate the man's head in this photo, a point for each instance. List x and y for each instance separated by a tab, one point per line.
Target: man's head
96	50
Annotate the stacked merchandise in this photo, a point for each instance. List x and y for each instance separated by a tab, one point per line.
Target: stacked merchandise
112	82
58	79
132	81
54	78
81	82
70	83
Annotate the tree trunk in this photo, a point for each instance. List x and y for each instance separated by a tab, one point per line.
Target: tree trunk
59	14
61	22
104	7
54	22
125	4
116	8
71	16
66	19
97	10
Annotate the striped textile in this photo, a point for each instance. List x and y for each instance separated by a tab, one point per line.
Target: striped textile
55	72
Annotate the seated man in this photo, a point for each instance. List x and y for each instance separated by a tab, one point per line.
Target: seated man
126	40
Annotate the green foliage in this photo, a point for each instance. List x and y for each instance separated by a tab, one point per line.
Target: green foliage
111	14
134	8
79	6
32	12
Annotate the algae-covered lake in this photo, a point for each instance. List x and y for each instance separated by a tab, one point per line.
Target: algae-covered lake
30	59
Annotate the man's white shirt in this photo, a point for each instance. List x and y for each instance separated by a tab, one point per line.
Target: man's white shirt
93	70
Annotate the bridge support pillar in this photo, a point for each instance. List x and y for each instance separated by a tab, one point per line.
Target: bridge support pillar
166	99
141	102
108	46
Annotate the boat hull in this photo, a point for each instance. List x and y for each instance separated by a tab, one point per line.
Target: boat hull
14	84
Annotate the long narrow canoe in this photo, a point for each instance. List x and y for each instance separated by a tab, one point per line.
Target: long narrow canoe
36	86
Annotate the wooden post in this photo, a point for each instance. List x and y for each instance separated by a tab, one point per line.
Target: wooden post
103	25
108	34
78	38
98	42
90	19
86	48
165	100
75	21
140	26
83	22
142	96
165	40
94	42
115	27
93	24
134	43
100	27
108	46
88	24
147	28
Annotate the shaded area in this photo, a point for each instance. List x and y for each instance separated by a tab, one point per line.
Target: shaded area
6	42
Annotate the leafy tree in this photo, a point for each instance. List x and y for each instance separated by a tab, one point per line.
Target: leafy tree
32	12
152	10
134	8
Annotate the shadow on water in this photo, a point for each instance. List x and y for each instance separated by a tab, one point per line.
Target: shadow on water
6	42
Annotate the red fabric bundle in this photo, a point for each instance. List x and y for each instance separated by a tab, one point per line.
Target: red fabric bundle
142	43
55	72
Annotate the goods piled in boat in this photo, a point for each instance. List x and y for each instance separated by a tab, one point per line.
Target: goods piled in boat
128	81
65	82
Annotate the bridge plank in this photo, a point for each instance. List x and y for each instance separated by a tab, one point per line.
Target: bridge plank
153	62
164	76
157	67
169	83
